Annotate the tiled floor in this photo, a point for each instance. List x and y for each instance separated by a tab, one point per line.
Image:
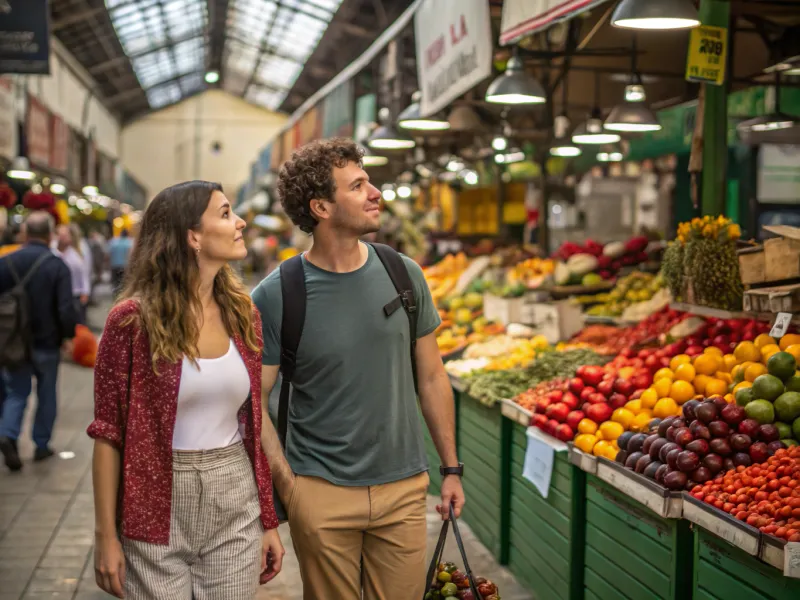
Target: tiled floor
46	517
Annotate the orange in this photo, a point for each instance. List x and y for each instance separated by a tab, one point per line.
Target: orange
729	398
794	350
680	392
601	448
738	370
641	421
611	452
663	373
707	364
753	371
763	340
686	373
726	377
743	384
680	359
635	406
768	351
716	387
650	396
728	362
700	383
623	416
789	339
611	430
587	426
585	442
713	350
662	387
747	351
666	407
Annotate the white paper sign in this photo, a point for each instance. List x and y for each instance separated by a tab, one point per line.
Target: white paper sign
454	49
791	560
538	467
781	326
523	17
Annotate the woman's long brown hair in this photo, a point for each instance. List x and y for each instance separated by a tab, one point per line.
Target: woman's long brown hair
163	277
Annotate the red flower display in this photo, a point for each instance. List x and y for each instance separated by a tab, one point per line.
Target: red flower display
42	201
8	197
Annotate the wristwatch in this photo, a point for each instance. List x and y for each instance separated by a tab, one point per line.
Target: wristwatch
459	470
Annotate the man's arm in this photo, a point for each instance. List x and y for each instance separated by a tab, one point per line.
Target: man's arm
282	475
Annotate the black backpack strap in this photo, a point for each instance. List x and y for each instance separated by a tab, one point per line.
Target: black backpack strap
398	273
293	294
22	282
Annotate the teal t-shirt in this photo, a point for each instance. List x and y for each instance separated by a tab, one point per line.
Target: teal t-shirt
353	418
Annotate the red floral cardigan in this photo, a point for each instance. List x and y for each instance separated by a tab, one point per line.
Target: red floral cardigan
137	415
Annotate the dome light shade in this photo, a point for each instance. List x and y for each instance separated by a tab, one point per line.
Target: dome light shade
655	14
771	122
515	86
411	118
632	117
591	132
371	159
387	137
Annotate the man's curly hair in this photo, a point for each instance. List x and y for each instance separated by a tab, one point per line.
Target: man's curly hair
308	175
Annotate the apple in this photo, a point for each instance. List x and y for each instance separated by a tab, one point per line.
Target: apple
605	387
575	417
539	420
571	400
637	394
558	411
652	363
555	395
542	404
599	413
617	400
564	432
576	385
641	381
597	398
592	375
550	426
586	392
623	386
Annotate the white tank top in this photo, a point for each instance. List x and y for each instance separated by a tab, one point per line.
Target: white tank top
210	396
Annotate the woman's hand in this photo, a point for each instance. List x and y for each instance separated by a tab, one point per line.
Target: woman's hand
109	566
271	555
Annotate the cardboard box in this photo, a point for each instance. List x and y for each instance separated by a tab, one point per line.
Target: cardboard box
512	310
782	298
782	254
556	321
752	265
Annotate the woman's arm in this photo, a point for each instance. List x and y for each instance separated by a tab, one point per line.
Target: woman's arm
109	561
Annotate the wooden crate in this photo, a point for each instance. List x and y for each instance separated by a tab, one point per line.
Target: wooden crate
722	572
752	265
630	551
782	298
782	254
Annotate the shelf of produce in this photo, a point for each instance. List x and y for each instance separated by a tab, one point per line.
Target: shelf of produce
715	313
512	410
665	504
545	534
585	462
723	572
481	444
459	385
736	533
628	547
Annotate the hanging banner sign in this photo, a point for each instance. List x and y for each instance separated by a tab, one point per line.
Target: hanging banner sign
9	132
37	132
523	17
454	49
366	114
24	37
309	127
74	158
708	54
337	113
90	174
59	144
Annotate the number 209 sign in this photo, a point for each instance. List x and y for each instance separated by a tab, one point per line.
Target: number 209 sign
708	53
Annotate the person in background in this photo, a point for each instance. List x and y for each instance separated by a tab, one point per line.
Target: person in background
49	291
99	250
119	251
68	249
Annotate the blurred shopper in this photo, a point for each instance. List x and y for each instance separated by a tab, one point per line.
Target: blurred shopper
68	249
177	415
354	478
52	319
119	251
98	246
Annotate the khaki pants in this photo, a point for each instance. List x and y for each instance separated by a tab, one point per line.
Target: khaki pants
353	538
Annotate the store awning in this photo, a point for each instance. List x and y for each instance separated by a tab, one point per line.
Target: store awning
523	17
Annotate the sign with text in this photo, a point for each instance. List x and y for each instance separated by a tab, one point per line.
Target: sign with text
708	53
9	132
24	37
523	17
59	145
37	132
539	458
454	49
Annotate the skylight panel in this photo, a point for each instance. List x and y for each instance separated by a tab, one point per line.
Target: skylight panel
164	95
189	55
264	97
278	72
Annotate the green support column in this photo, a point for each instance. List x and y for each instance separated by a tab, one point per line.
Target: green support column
715	126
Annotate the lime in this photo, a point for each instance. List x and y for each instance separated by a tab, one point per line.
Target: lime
767	387
782	365
793	384
787	406
796	429
744	396
789	442
449	590
784	430
760	410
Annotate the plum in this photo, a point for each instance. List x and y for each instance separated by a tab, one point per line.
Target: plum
642	463
683	436
740	459
773	447
759	452
633	457
740	442
635	443
720	446
768	433
701	474
719	429
713	462
675	480
664	425
665	449
707	412
649	442
689	408
699	430
749	427
660	472
672	457
688	461
733	414
698	446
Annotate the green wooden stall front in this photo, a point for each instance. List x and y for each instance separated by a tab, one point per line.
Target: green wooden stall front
546	535
632	553
723	572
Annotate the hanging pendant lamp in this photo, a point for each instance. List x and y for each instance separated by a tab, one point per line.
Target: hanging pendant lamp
633	115
655	14
387	137
563	145
411	117
774	121
515	86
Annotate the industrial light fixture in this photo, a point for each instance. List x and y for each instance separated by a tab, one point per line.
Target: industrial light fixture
21	169
469	176
785	56
388	193
57	187
90	190
370	159
633	115
455	164
563	145
655	14
404	191
212	77
612	156
514	156
515	86
774	121
411	117
591	131
499	143
386	137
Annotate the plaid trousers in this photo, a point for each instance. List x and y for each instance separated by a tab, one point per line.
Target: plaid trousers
214	550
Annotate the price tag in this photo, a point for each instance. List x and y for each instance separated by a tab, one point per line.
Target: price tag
781	326
707	56
538	467
791	560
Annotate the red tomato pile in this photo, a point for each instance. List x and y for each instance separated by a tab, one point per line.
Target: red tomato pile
539	397
766	495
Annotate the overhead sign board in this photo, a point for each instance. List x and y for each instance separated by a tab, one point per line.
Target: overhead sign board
707	56
24	37
454	49
9	132
523	17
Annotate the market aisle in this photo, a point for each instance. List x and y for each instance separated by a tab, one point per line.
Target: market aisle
46	516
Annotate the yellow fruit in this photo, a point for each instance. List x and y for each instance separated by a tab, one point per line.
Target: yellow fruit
747	351
763	340
601	448
623	416
707	364
611	430
611	452
666	407
729	398
700	382
677	361
713	350
739	370
768	351
587	426
664	373
728	362
753	371
635	406
686	373
640	421
585	442
789	339
650	396
662	387
626	372
680	392
716	387
743	384
794	350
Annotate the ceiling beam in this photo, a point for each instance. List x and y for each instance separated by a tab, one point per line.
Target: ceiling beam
76	18
117	99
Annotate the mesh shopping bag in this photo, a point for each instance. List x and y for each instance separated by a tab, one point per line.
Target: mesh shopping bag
430	582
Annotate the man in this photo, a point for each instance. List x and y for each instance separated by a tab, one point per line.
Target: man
53	319
354	477
119	251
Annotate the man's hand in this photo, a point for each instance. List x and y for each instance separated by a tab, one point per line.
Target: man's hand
452	493
272	553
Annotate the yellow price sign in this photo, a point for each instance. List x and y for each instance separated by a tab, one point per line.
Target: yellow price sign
708	53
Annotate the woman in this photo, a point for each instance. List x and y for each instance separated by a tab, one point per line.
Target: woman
68	247
178	415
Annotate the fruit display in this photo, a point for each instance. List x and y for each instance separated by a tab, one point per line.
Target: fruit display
592	263
531	273
451	582
464	324
497	353
764	495
633	289
443	276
